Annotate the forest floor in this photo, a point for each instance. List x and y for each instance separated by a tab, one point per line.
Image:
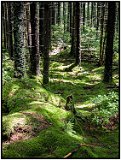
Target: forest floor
36	124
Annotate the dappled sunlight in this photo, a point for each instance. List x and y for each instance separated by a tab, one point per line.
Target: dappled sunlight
40	112
55	103
95	76
89	105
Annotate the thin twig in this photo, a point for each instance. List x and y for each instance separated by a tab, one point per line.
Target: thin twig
80	145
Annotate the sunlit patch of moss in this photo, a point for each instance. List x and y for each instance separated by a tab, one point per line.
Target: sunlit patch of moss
88	105
94	77
10	121
55	65
98	70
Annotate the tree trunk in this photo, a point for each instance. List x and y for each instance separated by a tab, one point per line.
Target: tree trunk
10	40
77	32
41	27
109	43
53	14
47	39
18	39
68	17
34	54
73	50
102	34
92	14
97	26
83	16
5	25
64	16
59	13
71	17
28	26
88	13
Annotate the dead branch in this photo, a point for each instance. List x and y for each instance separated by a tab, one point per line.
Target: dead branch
80	145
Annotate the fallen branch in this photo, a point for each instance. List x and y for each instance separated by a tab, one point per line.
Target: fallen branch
80	145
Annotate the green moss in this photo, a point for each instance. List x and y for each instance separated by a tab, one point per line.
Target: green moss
10	121
63	135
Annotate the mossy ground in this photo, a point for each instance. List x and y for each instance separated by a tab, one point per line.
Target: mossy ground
63	135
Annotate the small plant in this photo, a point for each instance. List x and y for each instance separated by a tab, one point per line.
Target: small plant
106	106
69	127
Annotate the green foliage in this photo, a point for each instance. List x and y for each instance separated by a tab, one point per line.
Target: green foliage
58	35
7	68
116	43
106	106
89	38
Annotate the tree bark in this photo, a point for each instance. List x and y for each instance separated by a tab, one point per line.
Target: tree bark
77	33
53	14
59	13
19	39
102	34
5	25
92	8
10	39
109	43
34	54
73	50
64	16
88	13
47	35
41	27
71	17
97	26
83	16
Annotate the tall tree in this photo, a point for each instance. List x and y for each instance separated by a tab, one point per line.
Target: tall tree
97	26
77	32
92	9
102	34
71	16
34	54
10	39
28	25
41	27
88	12
59	13
5	24
73	50
64	16
19	39
68	17
47	38
109	43
83	16
53	14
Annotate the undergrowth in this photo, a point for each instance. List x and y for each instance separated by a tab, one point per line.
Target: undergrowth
92	100
106	106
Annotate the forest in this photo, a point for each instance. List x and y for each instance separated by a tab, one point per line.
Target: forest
60	79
